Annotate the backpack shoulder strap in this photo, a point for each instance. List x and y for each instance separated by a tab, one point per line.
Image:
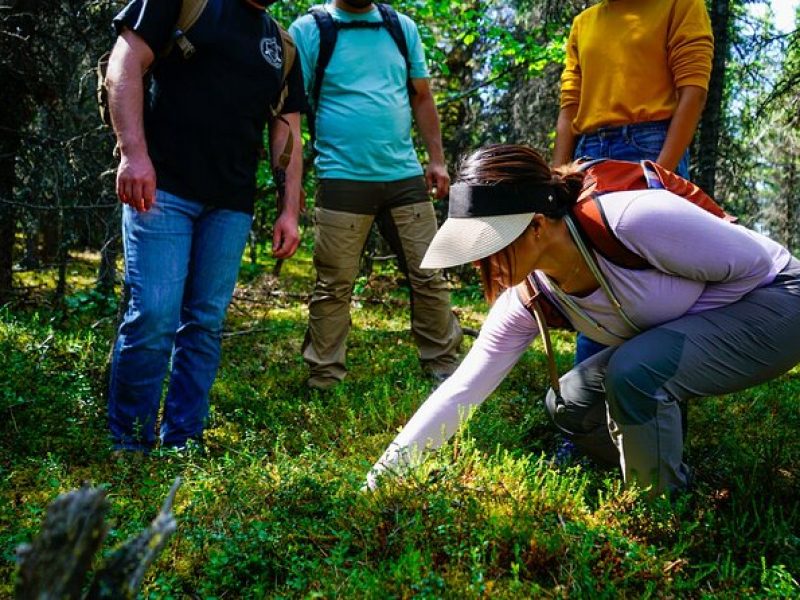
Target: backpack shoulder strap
279	166
545	313
392	22
190	12
289	53
682	187
593	228
601	177
328	33
529	290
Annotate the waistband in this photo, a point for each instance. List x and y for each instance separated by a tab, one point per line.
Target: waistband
602	132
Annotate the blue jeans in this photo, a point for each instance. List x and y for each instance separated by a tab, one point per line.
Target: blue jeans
181	264
638	141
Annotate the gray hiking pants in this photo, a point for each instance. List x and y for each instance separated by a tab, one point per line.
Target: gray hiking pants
621	405
339	237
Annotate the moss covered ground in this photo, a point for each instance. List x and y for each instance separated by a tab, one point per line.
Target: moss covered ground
273	507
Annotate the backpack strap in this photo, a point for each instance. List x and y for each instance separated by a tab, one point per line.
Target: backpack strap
289	54
683	187
328	34
190	12
392	21
536	303
593	228
603	176
598	274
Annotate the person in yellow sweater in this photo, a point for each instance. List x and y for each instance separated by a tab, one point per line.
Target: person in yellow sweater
634	86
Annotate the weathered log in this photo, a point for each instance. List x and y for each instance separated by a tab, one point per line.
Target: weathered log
123	572
55	564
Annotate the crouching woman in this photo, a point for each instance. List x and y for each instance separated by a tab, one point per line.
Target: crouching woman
715	308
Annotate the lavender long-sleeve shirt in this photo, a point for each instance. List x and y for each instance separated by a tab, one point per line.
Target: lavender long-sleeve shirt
699	261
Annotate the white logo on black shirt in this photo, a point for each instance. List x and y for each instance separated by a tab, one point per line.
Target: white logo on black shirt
272	52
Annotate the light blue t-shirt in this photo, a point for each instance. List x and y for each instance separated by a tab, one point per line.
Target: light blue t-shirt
364	116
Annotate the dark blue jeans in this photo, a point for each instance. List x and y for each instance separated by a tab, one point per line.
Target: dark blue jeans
639	141
181	263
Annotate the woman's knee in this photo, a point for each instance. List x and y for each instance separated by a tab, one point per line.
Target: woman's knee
634	384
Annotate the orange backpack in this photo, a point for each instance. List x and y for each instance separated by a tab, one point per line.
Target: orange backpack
604	176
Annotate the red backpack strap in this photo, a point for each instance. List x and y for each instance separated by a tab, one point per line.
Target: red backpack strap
529	293
546	314
602	177
688	190
606	175
591	222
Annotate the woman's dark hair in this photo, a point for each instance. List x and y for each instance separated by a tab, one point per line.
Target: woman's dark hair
518	165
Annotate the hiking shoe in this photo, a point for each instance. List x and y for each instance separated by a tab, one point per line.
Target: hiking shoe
321	382
192	446
439	378
566	453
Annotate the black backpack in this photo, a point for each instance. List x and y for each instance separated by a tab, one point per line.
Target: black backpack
329	32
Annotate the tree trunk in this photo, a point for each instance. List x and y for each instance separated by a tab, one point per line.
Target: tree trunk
789	188
710	122
56	563
62	256
7	212
12	119
51	239
107	273
14	114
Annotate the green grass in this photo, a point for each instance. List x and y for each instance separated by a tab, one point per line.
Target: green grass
274	508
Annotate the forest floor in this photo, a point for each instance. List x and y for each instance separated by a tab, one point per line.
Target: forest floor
273	507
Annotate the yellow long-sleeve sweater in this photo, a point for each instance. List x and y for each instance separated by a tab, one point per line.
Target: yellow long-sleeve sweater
626	60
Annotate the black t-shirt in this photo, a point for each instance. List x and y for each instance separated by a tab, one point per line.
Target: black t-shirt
204	116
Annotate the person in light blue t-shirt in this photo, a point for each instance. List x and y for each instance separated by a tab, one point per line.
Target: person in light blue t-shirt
368	170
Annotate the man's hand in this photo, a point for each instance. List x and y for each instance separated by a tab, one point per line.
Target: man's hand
436	176
565	137
130	59
286	237
691	100
427	118
136	181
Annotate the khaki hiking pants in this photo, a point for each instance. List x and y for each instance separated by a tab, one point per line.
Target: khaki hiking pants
622	404
339	238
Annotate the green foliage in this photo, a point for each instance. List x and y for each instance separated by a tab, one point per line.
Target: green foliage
273	507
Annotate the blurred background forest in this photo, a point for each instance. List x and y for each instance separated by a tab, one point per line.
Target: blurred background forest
496	68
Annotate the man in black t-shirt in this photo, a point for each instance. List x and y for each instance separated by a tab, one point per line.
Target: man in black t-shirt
189	147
